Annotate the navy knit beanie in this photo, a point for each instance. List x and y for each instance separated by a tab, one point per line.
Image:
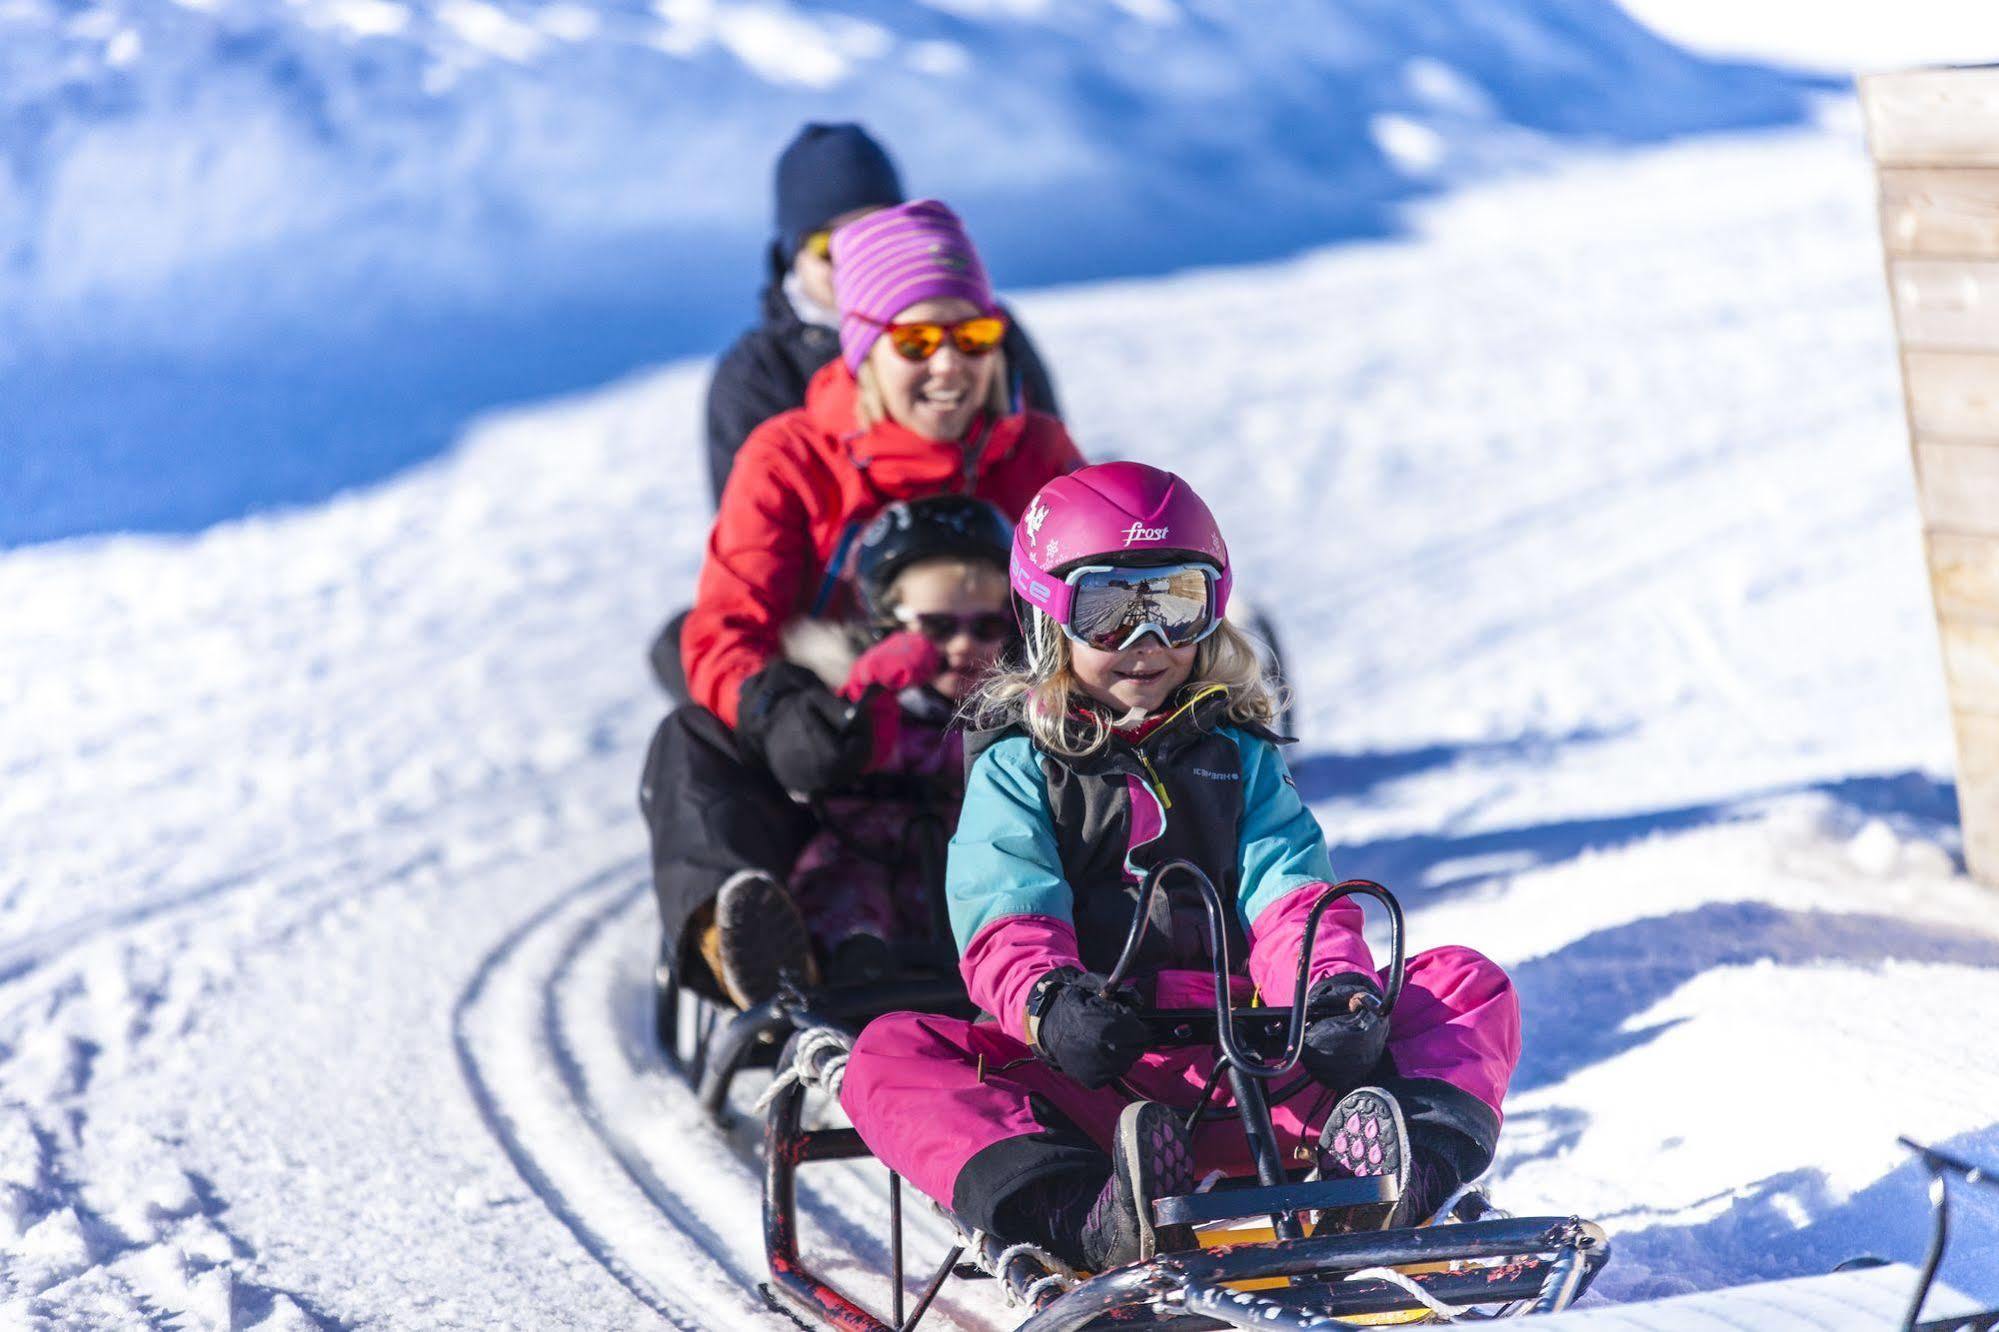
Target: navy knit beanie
826	171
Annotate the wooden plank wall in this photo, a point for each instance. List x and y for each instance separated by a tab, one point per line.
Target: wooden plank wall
1935	139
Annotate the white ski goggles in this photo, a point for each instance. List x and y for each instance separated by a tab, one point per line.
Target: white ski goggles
1111	607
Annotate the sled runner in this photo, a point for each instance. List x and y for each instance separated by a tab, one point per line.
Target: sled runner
1260	1265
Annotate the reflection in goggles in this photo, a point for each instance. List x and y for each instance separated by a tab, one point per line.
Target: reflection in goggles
1108	606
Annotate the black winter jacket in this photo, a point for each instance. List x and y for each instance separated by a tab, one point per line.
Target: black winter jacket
1193	772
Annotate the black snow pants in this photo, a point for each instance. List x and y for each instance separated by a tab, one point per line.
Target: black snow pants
712	810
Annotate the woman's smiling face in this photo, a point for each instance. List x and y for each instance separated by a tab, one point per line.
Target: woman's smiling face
938	397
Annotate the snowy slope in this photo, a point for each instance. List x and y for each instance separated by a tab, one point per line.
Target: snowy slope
1853	38
1586	509
254	252
173	170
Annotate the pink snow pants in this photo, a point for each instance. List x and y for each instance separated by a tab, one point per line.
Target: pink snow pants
929	1093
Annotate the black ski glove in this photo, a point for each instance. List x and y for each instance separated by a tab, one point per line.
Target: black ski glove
1343	1043
1082	1029
810	740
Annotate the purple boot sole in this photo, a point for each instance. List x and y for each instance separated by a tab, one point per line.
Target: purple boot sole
1364	1137
1151	1158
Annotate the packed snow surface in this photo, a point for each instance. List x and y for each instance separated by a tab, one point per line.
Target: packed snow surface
1585	512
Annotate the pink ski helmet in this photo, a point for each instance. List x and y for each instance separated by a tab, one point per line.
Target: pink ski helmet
1118	513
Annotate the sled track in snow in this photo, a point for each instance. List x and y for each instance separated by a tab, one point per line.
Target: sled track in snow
634	1163
602	1248
535	978
30	953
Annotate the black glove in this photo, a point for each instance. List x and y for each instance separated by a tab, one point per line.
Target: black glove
1081	1028
810	740
1343	1042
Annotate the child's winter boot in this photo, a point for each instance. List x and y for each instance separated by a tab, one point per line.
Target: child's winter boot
757	940
1366	1136
1151	1158
860	959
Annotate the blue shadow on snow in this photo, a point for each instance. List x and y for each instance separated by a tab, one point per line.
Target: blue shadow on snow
1576	1000
1327	776
1426	864
305	409
1758	1237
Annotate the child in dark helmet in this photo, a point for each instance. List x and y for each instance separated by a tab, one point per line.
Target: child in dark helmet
932	579
1136	733
930	575
914	406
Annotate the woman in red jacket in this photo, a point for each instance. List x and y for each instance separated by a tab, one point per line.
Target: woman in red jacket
915	405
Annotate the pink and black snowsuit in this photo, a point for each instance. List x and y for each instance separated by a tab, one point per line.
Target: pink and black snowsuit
1043	874
870	869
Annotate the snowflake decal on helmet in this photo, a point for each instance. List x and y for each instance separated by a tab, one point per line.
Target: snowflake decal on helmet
1054	552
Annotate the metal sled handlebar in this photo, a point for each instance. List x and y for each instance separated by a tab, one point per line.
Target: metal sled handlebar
1942	1167
1224	966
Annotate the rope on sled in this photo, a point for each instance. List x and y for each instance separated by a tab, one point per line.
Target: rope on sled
818	1060
1061	1277
1443	1313
1448	1210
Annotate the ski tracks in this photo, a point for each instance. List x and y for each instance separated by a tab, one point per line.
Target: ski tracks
529	1072
552	1035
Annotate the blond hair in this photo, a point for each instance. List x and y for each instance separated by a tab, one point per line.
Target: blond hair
1043	694
871	408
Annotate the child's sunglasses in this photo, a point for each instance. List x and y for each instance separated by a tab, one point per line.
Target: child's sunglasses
819	244
942	626
920	340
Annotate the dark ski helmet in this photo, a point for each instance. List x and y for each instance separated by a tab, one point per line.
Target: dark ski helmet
923	529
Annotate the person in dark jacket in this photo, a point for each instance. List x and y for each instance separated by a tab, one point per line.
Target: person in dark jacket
914	406
827	176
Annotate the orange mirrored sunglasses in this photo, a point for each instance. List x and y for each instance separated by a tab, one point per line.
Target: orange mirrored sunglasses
919	340
819	243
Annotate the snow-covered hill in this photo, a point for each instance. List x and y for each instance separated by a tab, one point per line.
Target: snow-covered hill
175	170
323	922
255	251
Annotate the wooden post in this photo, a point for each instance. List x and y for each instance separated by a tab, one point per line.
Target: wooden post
1935	138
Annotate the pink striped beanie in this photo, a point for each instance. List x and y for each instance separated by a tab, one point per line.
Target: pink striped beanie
891	259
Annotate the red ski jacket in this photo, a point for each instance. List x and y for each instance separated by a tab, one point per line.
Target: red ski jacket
803	487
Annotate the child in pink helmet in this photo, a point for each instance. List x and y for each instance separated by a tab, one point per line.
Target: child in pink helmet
1137	732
